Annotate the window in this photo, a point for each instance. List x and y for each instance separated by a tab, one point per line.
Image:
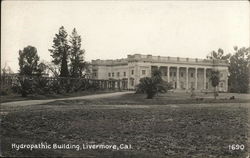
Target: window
174	74
182	85
192	74
221	85
143	72
181	74
109	74
170	74
132	72
124	73
118	74
95	74
221	75
192	84
113	74
132	82
165	73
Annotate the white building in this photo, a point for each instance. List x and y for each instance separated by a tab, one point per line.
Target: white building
183	73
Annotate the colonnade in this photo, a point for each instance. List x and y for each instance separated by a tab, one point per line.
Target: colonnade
187	76
111	84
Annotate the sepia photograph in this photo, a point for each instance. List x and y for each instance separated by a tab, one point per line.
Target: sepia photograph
125	79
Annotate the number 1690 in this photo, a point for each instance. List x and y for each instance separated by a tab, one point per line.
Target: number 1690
236	147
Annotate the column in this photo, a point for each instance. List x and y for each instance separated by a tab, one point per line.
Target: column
105	84
119	84
100	84
128	74
187	78
149	73
113	84
137	75
168	74
205	78
177	78
126	84
196	77
226	81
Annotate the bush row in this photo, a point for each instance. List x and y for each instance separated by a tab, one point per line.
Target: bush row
39	85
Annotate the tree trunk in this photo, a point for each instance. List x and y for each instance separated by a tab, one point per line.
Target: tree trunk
64	67
150	95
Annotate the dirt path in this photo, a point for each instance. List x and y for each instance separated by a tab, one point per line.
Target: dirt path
36	102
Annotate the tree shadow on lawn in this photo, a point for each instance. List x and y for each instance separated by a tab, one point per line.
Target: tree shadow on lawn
152	132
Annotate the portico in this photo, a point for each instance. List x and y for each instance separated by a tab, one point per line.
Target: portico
185	77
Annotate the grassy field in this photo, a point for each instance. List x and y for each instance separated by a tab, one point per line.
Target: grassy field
172	125
17	97
161	99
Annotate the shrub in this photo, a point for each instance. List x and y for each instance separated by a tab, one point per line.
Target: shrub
23	86
148	86
5	90
55	86
41	85
152	85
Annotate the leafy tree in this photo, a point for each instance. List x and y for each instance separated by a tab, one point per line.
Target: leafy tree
239	70
41	69
24	87
6	70
60	51
51	67
87	70
76	55
215	79
152	85
147	85
218	55
157	75
28	61
5	89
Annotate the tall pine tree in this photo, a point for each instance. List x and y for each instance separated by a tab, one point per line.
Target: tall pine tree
60	52
76	55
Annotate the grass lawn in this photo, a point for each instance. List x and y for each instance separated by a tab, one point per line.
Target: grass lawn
167	126
160	99
17	97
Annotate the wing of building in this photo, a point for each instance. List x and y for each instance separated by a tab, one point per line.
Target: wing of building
183	73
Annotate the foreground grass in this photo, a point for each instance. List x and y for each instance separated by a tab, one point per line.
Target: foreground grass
183	130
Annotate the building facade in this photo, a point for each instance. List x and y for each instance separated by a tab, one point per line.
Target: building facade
184	73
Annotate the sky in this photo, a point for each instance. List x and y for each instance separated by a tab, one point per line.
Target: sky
114	29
